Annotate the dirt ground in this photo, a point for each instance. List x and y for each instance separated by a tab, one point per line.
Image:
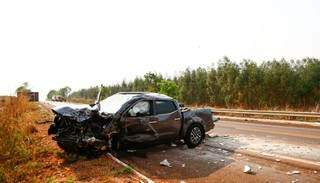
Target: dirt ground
58	167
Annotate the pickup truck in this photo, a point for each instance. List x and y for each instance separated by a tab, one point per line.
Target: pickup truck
128	119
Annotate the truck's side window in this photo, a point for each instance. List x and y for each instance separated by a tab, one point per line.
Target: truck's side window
164	107
140	109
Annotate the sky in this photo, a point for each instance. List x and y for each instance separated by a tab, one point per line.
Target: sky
52	44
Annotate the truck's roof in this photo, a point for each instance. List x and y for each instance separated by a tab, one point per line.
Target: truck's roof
149	94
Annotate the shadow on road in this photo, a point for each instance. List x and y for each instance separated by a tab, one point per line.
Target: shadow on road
185	163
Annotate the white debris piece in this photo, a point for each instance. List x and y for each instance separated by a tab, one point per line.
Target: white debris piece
266	154
211	135
247	169
294	181
221	144
293	172
278	160
182	181
183	165
239	154
131	150
165	162
224	151
222	160
315	172
173	145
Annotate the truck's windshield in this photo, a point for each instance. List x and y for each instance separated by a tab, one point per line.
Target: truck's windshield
113	103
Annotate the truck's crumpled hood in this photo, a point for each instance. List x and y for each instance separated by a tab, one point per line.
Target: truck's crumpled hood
78	113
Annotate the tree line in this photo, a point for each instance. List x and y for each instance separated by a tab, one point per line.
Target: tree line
275	84
64	92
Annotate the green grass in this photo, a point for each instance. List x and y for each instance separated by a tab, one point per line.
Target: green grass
69	180
123	171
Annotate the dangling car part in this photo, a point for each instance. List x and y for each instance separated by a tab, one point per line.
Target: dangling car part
128	119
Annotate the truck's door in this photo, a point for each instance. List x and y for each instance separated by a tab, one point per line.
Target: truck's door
167	119
138	123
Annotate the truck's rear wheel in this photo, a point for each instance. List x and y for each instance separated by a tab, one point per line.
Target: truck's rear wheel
194	135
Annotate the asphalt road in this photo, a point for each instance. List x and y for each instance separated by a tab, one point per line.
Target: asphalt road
298	135
211	162
296	142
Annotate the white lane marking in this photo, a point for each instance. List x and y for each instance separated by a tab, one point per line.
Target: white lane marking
135	171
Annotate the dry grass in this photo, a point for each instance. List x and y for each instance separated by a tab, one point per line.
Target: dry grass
81	100
17	145
28	154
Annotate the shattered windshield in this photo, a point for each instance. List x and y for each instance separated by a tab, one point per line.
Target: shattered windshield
113	103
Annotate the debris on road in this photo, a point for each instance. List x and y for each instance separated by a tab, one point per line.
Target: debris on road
165	162
247	169
222	160
183	165
212	135
224	151
315	172
131	150
260	167
278	160
293	172
221	144
173	145
267	154
239	154
294	181
182	181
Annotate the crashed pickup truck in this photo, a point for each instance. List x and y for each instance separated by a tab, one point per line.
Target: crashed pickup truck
128	119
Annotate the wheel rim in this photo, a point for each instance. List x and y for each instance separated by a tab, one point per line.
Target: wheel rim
195	135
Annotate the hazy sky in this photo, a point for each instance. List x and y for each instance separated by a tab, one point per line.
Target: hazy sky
52	44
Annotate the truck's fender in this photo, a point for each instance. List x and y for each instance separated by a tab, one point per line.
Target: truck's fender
188	123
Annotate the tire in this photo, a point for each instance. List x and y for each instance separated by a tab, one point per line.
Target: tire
194	135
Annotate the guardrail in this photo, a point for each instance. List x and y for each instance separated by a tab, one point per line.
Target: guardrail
287	115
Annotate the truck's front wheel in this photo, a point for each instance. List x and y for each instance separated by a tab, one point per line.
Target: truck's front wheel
194	135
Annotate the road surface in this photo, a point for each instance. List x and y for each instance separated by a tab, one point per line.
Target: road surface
291	141
213	162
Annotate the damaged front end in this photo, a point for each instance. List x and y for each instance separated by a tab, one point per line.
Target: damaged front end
81	130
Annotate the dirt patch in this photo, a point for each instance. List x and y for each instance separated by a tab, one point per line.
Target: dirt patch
59	166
